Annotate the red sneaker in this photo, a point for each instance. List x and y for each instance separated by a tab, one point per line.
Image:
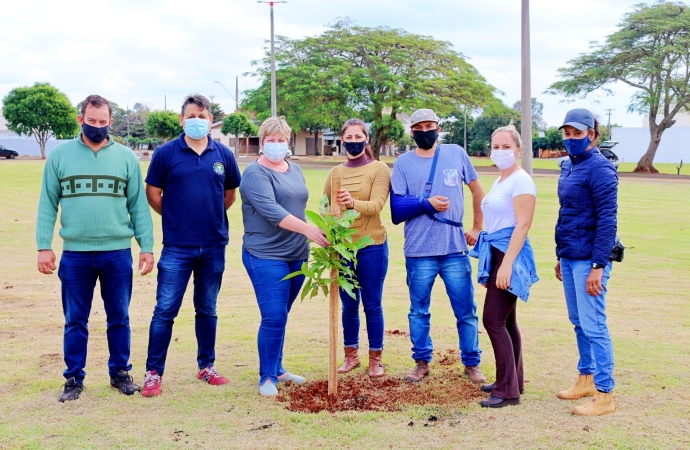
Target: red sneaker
152	384
212	377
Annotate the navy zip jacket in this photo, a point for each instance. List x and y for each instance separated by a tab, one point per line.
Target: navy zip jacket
588	197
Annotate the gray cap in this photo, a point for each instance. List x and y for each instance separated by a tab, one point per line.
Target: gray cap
423	115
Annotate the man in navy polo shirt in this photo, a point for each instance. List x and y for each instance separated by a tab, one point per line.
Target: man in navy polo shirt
191	182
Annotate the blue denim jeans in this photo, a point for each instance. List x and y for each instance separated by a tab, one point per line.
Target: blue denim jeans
78	273
372	266
175	267
456	272
275	299
588	315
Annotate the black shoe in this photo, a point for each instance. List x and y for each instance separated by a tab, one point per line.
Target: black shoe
490	387
73	389
495	402
124	383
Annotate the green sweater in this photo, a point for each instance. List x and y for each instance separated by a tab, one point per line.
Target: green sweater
101	197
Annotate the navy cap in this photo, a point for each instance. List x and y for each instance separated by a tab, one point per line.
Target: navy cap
579	118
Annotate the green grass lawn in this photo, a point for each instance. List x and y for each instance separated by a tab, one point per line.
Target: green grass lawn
648	315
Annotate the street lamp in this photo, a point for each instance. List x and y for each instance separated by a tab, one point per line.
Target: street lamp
231	96
526	102
274	108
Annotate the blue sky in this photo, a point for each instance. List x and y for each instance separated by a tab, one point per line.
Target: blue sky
138	51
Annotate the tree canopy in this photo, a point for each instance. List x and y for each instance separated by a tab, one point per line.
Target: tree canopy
163	124
41	111
351	70
650	51
238	124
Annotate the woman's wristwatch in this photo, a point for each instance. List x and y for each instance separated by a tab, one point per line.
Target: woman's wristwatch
597	266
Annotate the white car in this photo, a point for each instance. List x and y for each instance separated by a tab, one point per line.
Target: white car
605	149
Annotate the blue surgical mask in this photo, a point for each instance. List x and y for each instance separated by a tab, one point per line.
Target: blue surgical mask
275	151
196	128
576	147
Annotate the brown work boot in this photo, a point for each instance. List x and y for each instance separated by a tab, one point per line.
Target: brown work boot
601	403
584	387
375	365
351	360
419	372
476	376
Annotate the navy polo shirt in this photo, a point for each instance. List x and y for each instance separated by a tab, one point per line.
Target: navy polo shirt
194	191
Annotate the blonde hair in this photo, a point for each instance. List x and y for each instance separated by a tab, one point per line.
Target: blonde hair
274	125
512	131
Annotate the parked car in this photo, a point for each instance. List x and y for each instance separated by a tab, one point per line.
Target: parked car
7	153
605	149
289	154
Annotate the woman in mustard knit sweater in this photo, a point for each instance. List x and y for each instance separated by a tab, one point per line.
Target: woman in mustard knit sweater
364	187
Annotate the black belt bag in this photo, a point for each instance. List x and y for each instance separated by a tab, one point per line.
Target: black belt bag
618	251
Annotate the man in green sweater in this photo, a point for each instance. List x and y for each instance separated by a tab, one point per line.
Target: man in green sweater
98	185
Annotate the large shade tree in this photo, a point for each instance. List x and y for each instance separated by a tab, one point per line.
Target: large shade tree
163	124
239	124
41	111
650	52
372	72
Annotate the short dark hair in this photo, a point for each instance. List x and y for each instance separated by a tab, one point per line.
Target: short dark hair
198	100
96	101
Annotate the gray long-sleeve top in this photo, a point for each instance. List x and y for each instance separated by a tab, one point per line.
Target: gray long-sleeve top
268	197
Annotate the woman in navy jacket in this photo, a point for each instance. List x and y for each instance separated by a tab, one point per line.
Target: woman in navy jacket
585	236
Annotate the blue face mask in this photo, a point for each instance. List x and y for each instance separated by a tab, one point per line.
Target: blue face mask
275	151
196	128
576	147
355	148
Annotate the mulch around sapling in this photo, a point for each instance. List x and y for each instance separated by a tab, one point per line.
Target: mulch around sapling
444	386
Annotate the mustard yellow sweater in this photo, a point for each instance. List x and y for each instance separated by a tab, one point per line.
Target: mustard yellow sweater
369	186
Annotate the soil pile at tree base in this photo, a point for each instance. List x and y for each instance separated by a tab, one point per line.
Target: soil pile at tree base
445	386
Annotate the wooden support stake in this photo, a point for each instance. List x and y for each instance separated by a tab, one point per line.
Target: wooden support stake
334	302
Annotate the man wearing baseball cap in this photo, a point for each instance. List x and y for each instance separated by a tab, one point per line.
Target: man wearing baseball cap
427	195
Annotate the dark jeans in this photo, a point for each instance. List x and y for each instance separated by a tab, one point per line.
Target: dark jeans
78	273
372	265
500	322
275	298
456	272
175	267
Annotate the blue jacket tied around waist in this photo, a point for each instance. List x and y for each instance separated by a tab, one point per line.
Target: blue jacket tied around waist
524	268
587	192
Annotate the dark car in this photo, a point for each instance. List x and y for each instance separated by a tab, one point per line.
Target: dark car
7	153
605	149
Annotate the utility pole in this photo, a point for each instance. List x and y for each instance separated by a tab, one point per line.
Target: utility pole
526	92
165	102
464	130
608	127
226	90
274	108
237	93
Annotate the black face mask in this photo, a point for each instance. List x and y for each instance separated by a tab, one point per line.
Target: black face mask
354	148
425	139
95	134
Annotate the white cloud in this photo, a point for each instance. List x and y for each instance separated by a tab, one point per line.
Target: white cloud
138	51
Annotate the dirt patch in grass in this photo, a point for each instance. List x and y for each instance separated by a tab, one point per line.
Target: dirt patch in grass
398	333
448	358
443	387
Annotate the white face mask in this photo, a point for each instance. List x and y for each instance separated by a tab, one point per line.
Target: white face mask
503	159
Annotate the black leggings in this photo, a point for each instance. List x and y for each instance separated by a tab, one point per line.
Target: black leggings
501	324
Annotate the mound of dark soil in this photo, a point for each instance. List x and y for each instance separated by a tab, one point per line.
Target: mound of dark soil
443	387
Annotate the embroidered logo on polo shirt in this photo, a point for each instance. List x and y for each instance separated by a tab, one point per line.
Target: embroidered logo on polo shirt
219	168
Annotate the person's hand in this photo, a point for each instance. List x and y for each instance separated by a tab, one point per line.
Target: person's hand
345	199
316	234
472	235
594	286
46	261
146	263
440	203
503	276
559	275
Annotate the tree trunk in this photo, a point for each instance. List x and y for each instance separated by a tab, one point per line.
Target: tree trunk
317	151
645	164
42	143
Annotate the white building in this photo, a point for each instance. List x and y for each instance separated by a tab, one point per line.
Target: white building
674	145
